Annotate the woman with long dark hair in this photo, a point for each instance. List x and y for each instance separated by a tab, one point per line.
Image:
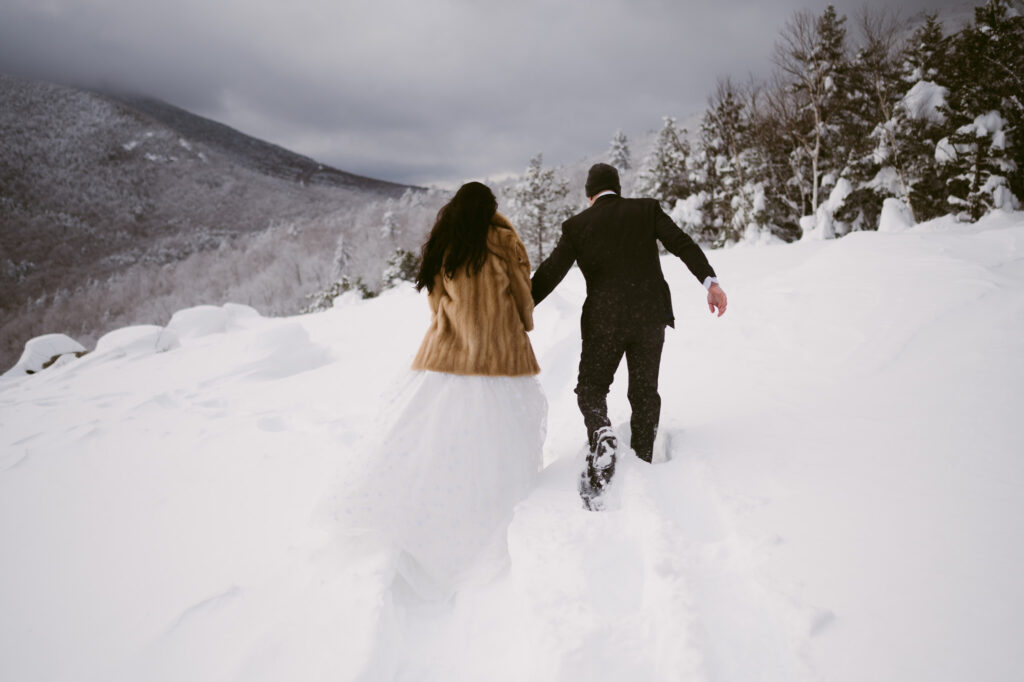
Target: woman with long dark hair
463	439
477	274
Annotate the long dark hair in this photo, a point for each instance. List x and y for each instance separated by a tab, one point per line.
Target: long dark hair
459	236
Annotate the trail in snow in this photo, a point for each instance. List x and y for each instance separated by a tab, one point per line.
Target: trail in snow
841	502
655	589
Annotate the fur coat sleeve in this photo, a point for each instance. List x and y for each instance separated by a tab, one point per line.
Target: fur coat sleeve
479	322
518	266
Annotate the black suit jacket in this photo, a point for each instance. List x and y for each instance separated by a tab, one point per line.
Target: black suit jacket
615	242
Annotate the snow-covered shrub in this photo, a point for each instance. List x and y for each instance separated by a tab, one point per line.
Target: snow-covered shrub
402	266
324	299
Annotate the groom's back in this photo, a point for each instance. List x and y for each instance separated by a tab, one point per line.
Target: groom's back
615	241
616	246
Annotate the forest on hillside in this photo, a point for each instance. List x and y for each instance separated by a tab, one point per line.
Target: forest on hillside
857	111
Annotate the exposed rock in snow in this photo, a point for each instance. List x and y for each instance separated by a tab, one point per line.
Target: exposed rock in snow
41	351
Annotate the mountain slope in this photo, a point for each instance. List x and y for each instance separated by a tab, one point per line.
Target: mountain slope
842	500
91	187
248	151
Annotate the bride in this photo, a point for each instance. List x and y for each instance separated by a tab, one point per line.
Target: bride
462	438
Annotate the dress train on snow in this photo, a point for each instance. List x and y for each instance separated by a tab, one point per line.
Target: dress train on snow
439	483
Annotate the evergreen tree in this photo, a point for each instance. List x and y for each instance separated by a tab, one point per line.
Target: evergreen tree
538	207
710	165
665	175
341	260
389	224
875	163
402	266
324	298
811	55
839	109
785	197
723	168
926	53
983	159
918	123
618	153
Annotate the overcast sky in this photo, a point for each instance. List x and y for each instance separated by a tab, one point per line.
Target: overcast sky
421	92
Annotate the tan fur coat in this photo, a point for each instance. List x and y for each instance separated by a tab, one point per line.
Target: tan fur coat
478	323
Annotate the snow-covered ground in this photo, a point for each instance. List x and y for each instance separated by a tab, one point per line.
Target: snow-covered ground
844	499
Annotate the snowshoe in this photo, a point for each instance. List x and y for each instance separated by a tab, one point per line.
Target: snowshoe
590	495
594	480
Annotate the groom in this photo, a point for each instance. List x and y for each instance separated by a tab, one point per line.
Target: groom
628	305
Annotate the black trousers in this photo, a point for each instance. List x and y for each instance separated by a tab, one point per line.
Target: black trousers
600	357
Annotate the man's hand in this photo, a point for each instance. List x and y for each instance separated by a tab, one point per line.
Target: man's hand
717	299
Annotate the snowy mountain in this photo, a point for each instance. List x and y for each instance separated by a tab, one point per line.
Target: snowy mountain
250	152
842	499
92	185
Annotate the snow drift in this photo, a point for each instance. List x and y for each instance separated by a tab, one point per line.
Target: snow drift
842	500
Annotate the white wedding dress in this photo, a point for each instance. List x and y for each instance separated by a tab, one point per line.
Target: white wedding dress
438	483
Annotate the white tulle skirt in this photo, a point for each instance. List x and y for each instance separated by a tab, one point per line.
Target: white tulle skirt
452	457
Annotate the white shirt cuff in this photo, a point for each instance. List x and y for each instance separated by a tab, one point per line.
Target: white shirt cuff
708	281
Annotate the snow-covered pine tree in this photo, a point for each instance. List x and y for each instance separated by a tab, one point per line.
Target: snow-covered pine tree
389	223
665	174
722	168
618	153
983	158
783	197
710	184
919	122
750	205
342	258
811	55
324	298
926	53
402	266
538	207
875	165
339	283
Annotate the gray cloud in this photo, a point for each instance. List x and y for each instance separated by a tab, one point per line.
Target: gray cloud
420	92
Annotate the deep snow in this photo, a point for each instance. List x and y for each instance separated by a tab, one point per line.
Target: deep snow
844	499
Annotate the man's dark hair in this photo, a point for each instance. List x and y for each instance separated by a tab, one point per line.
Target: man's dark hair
459	236
601	177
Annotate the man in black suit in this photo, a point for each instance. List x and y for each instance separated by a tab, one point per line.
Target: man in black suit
628	305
